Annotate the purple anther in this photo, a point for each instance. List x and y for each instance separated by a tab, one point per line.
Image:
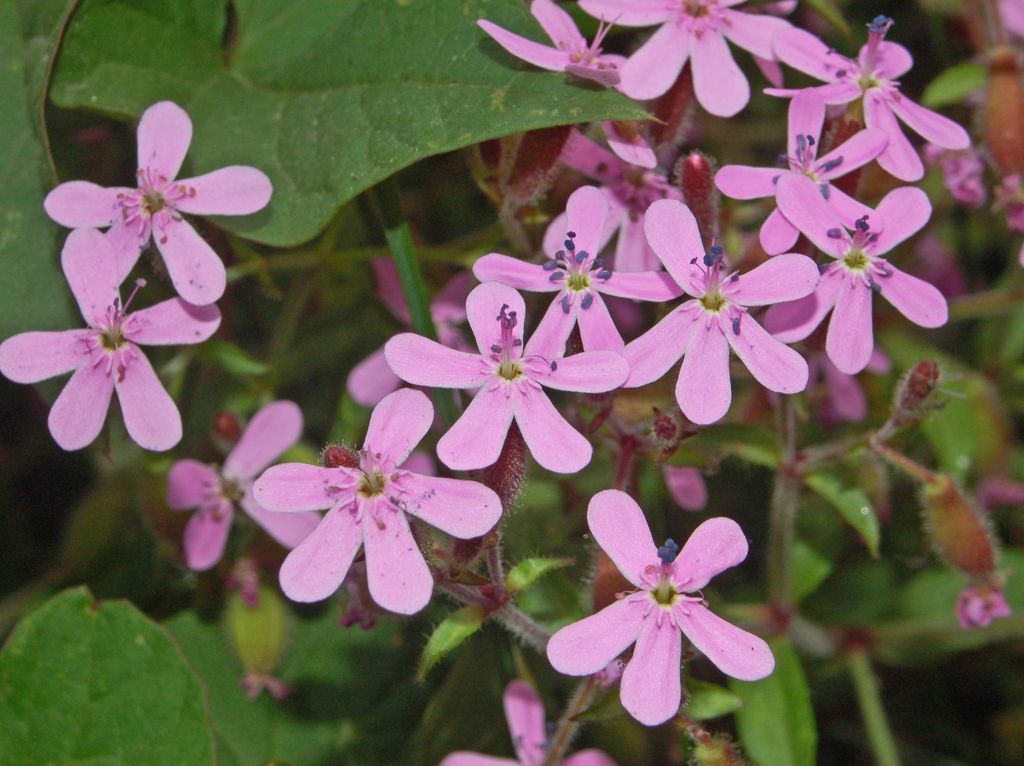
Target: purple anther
834	234
862	223
735	277
556	276
668	551
581	256
604	274
588	301
831	164
554	365
565	303
736	325
825	190
496	348
550	265
874	285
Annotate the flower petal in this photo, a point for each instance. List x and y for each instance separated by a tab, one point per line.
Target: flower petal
753	32
903	212
195	269
234	190
746	182
628	13
164	133
525	715
299	487
845	396
128	241
777	234
289	529
206	534
642	285
716	545
462	508
632	149
785	277
587	646
81	204
590	159
734	651
552	441
372	379
806	118
672	233
557	23
891	60
79	412
270	432
620	527
534	53
774	365
514	273
174	322
850	210
586	211
721	87
399	423
795	320
90	266
899	158
805	52
589	372
652	354
632	253
464	758
650	689
654	67
597	329
476	438
850	338
687	487
704	389
803	206
317	565
855	152
188	482
589	757
550	336
34	356
396	572
150	415
482	308
449	303
917	300
425	362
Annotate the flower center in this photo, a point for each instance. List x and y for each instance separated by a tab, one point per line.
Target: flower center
112	338
857	260
713	301
372	482
506	351
576	267
696	8
578	282
231	490
152	202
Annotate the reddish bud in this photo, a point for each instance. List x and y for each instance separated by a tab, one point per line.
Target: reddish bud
696	176
672	109
536	158
1004	112
915	394
608	581
959	532
226	426
505	477
339	456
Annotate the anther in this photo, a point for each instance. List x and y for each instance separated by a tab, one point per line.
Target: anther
735	325
604	274
668	551
588	300
554	365
581	256
550	265
825	190
565	303
831	164
862	223
834	234
556	276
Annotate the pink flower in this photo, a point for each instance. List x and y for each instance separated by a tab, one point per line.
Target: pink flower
978	605
859	270
806	118
873	77
191	484
525	715
367	506
997	490
702	330
694	29
963	173
511	377
1010	200
686	485
155	207
1012	12
844	398
371	380
630	191
106	357
660	611
578	276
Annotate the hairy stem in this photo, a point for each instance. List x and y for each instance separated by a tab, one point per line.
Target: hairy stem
567	726
866	686
514	620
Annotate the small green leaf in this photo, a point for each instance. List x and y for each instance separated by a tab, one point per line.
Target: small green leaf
528	571
809	568
96	682
776	723
852	503
705	700
230	358
453	630
828	11
954	85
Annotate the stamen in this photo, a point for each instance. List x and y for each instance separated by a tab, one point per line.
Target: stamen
565	303
139	284
880	25
604	274
556	276
831	164
554	365
736	325
834	234
581	256
825	190
862	223
550	265
668	551
588	300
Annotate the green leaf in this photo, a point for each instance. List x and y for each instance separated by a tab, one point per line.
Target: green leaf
827	9
776	723
328	98
852	503
230	358
35	295
954	85
706	700
97	682
453	630
809	568
528	571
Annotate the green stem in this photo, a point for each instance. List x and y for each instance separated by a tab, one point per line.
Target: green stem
567	725
399	239
866	686
991	303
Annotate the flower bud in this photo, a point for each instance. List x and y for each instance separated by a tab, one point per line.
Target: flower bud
959	532
1004	112
696	174
257	633
979	604
227	427
339	456
536	157
505	477
915	394
715	751
672	109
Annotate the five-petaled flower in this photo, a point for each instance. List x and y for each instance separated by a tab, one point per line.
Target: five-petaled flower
806	118
510	377
578	276
191	484
872	76
106	357
696	30
702	330
858	271
155	207
525	715
367	505
665	606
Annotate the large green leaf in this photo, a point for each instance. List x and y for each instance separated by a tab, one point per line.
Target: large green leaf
327	96
776	723
34	294
98	683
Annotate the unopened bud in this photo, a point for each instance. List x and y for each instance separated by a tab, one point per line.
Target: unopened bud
536	158
696	176
339	456
608	582
226	426
959	532
505	477
258	633
715	750
672	109
915	394
1004	112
